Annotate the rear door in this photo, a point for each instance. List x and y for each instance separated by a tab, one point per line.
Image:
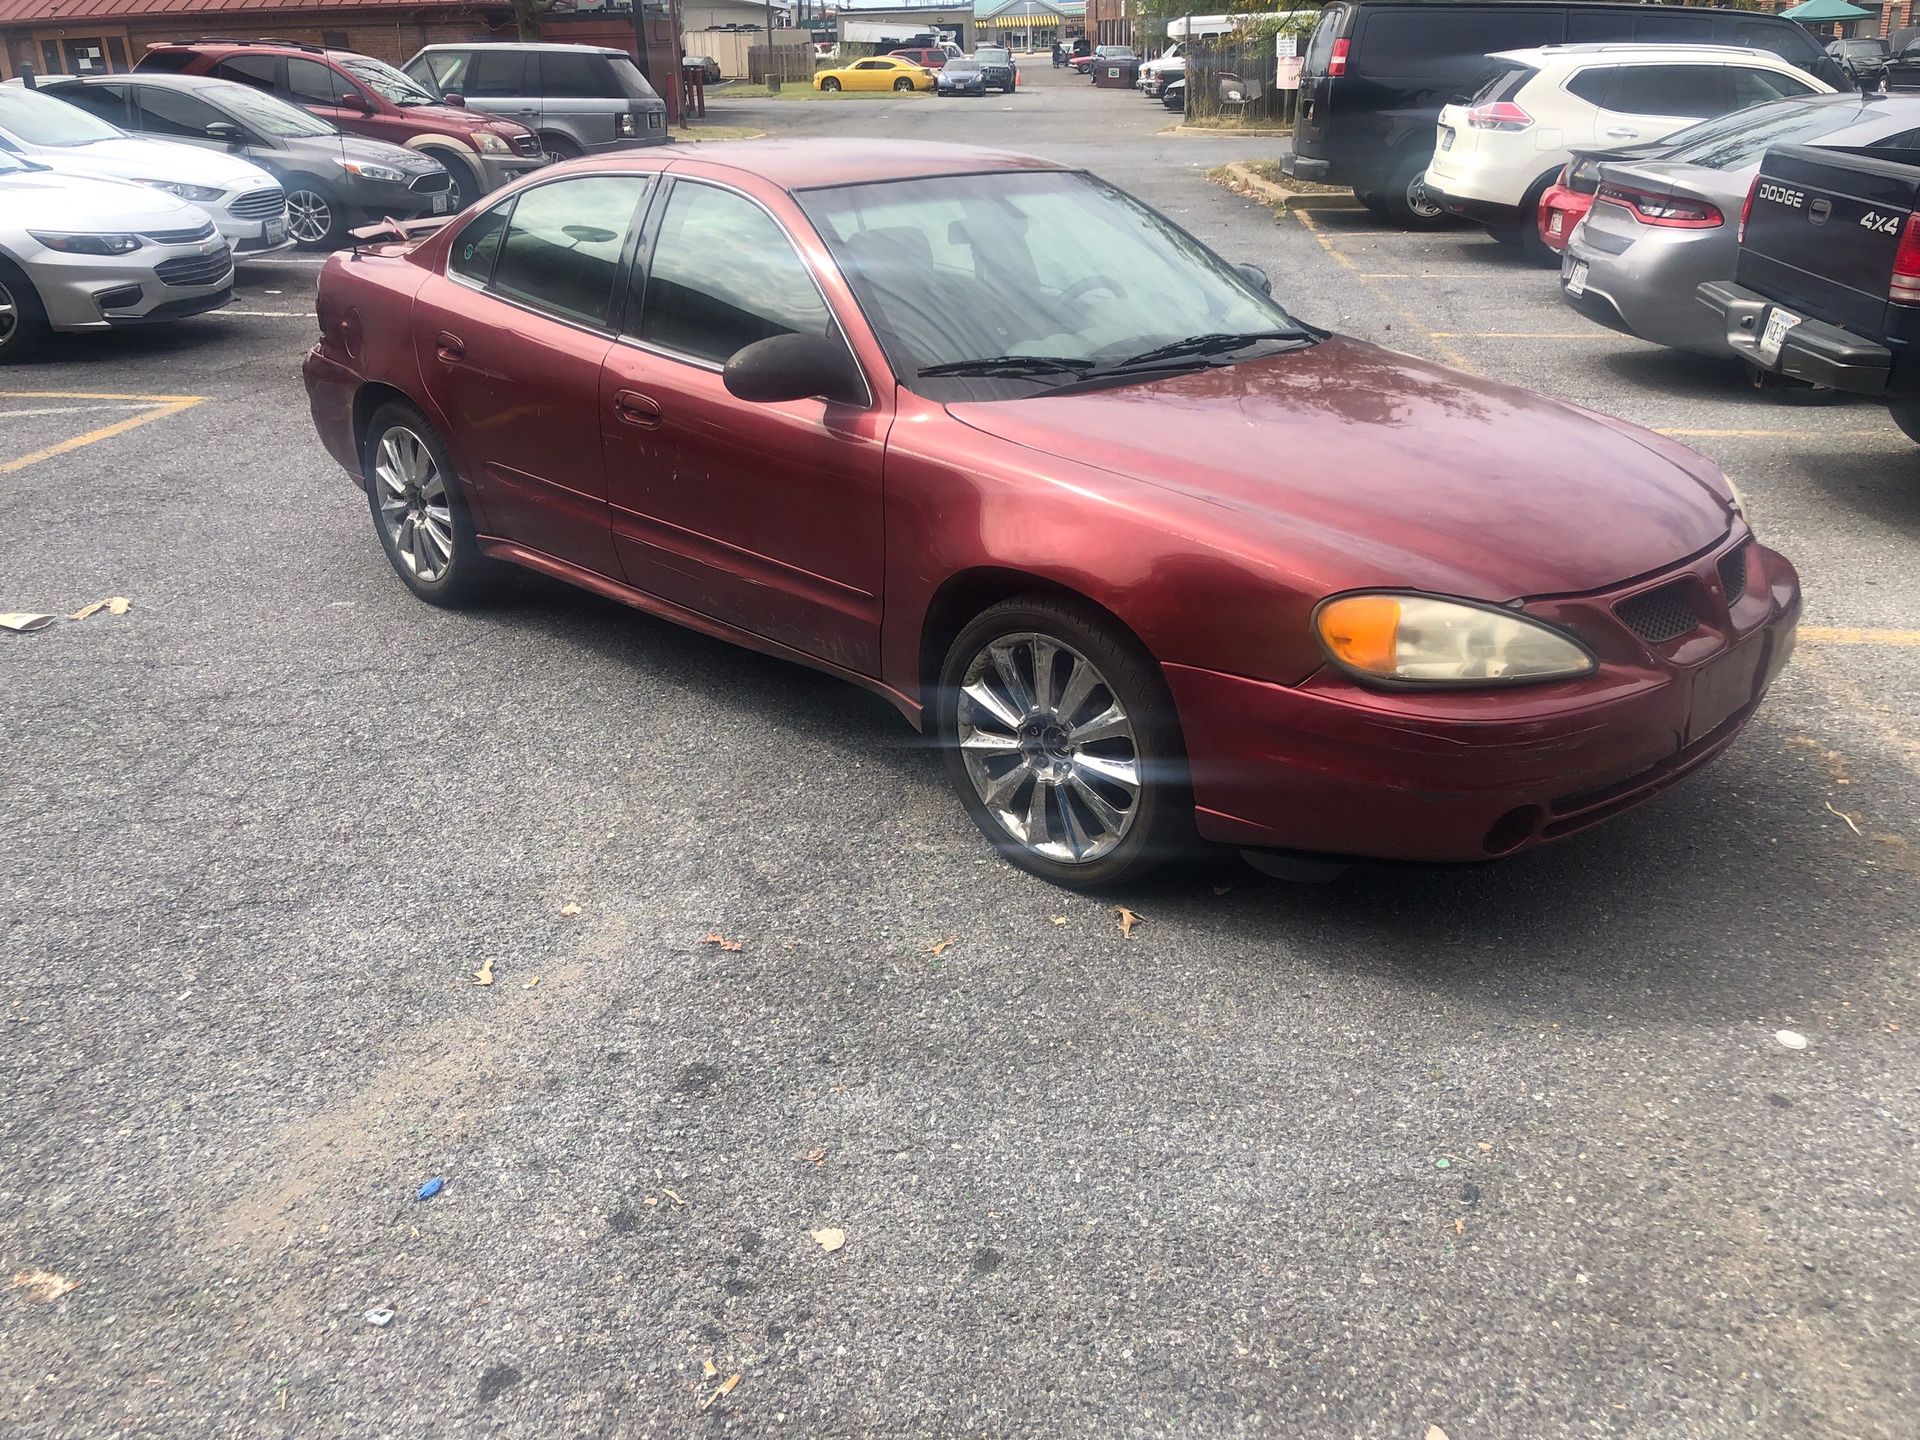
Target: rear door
511	340
1316	83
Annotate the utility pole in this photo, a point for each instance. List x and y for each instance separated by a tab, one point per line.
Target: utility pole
773	82
640	41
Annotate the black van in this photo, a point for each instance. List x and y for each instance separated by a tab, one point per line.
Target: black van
1377	72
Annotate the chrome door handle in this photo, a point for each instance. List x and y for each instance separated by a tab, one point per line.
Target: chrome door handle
640	411
1618	134
450	348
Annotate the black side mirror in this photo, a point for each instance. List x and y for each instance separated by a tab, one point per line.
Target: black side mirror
226	132
794	367
1256	277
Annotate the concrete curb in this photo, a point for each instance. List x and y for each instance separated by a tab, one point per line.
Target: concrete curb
1227	134
1239	177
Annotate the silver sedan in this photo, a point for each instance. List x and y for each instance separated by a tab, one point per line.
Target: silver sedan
84	254
1660	226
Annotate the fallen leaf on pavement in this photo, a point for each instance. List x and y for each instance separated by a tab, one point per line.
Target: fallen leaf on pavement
1059	919
113	605
1851	825
43	1287
570	908
1222	889
1459	1226
709	1369
24	620
484	975
714	937
675	1198
829	1239
940	947
725	1387
1127	921
531	982
815	1158
1434	1432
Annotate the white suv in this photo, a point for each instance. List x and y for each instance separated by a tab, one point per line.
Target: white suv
1496	153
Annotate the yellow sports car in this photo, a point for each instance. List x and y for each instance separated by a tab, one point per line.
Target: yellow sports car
878	72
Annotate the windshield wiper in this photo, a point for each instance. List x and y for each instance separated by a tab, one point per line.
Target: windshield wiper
1010	366
1215	343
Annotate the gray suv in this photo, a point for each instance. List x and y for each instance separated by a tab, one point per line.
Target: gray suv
579	99
333	181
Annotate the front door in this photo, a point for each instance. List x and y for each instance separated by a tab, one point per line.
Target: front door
767	517
512	339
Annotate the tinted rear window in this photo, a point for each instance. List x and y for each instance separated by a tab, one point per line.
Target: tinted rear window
1320	44
170	62
1503	86
1593	83
1781	124
1393	43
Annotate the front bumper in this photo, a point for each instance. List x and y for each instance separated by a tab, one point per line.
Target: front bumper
98	292
498	170
1330	767
1814	351
370	200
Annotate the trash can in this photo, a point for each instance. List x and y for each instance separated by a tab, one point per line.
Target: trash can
1116	74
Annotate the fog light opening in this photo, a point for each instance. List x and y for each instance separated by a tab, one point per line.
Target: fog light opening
123	297
1512	830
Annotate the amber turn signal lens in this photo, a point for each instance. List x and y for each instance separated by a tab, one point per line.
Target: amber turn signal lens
1363	632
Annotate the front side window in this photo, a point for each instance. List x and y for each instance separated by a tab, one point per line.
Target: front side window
173	115
312	83
562	247
1667	90
1055	265
446	70
499	73
724	275
478	244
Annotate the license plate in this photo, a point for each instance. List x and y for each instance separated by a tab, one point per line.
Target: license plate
1446	138
1723	687
1577	278
1779	322
273	232
440	203
1555	220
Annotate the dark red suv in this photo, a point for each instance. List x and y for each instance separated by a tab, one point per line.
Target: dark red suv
365	96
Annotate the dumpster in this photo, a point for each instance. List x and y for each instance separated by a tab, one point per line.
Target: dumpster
1116	74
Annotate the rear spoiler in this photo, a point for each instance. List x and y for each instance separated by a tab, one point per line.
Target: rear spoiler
402	230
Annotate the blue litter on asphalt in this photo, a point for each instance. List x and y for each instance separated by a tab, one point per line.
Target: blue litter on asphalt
430	1189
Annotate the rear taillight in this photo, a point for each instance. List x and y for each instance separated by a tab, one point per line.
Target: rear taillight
1673	212
1746	209
1337	62
1905	288
1500	115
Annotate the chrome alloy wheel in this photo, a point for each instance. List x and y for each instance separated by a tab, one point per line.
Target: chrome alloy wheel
413	504
309	217
1420	199
9	314
1048	747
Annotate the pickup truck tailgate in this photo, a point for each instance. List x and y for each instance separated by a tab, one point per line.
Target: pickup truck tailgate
1822	230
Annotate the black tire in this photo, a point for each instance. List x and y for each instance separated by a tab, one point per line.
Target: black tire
23	319
829	84
1408	203
315	217
560	148
467	575
903	83
1907	417
1157	824
465	187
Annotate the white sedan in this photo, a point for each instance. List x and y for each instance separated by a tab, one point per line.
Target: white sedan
85	254
244	201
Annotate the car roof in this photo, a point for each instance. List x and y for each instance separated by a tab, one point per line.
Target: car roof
814	164
164	79
546	46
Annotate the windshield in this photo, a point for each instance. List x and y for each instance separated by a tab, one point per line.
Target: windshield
385	81
259	111
13	164
1780	124
1053	273
992	57
42	120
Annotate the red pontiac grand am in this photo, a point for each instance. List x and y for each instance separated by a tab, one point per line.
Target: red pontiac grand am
1151	557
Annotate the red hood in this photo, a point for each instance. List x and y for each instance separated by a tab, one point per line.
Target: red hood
1394	470
458	118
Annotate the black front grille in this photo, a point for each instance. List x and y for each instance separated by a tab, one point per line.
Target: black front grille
526	144
260	205
180	237
431	184
196	269
1733	573
1661	614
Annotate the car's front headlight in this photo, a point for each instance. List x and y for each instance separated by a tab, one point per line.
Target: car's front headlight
488	143
367	171
87	244
1417	640
200	194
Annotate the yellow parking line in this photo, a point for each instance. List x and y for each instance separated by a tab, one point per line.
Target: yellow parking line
1447	353
1843	635
163	406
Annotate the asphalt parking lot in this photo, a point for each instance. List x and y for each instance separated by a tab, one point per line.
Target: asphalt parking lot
1511	1152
